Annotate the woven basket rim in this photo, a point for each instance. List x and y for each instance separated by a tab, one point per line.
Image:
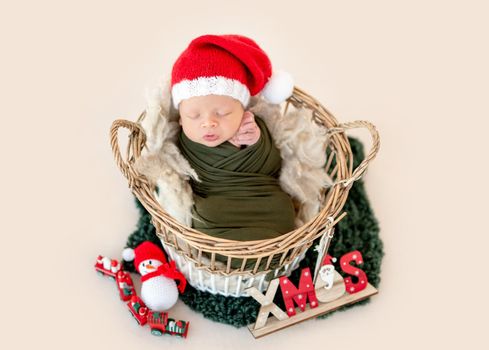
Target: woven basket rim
332	203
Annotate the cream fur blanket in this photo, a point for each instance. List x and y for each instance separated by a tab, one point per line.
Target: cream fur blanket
302	144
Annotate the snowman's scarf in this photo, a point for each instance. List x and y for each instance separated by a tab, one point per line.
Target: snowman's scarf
168	270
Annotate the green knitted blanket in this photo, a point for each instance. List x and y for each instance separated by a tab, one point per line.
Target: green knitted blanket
238	196
359	230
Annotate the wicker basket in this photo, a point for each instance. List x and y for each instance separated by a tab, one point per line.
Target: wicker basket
199	256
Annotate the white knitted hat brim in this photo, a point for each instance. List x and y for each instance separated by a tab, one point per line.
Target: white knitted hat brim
203	86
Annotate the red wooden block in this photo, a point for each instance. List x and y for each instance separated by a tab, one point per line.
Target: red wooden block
125	285
354	271
138	310
160	324
305	292
107	266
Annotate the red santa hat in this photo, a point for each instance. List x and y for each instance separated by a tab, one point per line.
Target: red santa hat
328	260
148	250
145	251
229	65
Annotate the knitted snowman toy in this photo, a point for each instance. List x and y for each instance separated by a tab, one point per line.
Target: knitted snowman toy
158	288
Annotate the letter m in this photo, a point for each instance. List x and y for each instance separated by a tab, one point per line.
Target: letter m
306	291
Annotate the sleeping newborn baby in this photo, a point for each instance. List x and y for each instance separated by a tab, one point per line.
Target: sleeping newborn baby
238	196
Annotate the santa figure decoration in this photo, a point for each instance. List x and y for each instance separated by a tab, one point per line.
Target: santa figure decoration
159	290
326	273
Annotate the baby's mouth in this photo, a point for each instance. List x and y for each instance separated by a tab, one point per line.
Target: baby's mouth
211	137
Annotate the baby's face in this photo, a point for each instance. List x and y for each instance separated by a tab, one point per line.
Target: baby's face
210	120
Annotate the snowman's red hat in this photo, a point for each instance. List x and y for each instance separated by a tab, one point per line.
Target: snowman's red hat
145	251
229	65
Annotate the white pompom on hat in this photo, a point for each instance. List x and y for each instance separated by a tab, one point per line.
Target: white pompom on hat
279	87
229	65
128	254
328	260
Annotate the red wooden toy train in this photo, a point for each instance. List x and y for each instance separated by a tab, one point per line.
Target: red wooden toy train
113	269
158	322
125	285
107	266
138	310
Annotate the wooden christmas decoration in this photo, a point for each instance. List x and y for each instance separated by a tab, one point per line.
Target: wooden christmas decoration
354	271
267	304
305	292
326	295
323	246
274	324
326	271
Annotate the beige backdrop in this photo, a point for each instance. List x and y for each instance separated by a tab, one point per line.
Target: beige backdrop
416	69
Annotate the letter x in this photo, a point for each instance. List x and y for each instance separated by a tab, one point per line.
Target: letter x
267	305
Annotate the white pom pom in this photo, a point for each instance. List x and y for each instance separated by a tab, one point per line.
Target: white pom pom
279	87
128	254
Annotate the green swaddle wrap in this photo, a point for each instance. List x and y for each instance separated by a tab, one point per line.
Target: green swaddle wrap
239	195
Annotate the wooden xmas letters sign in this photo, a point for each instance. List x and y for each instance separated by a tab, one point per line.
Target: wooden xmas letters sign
329	292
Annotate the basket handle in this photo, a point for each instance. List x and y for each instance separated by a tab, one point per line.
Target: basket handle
360	170
137	140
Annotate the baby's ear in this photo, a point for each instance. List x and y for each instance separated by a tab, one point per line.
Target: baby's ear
180	120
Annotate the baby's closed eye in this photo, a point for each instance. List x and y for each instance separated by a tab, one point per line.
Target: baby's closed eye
222	114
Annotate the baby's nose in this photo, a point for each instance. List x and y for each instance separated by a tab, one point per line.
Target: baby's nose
209	123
